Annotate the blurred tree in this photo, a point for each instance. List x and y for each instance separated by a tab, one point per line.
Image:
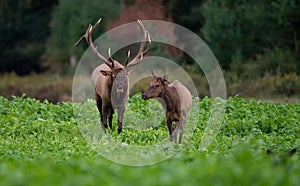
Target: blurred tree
140	9
146	10
23	31
70	20
240	30
186	13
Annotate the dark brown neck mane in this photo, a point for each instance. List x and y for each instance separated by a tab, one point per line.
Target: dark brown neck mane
171	98
109	86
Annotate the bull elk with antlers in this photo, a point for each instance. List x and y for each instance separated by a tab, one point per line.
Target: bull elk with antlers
110	79
176	100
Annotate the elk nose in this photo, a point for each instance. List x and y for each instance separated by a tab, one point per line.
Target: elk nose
119	88
144	96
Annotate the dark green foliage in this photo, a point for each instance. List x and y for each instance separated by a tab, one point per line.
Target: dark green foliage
70	21
23	32
239	30
185	13
188	14
265	33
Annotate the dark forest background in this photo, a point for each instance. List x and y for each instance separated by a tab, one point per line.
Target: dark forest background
255	42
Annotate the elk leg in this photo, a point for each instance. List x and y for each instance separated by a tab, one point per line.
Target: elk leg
99	104
104	117
170	127
100	109
110	117
181	128
120	119
175	131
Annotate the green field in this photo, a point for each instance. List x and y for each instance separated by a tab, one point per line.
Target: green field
44	144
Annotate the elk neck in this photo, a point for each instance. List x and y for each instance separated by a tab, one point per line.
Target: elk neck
109	86
170	97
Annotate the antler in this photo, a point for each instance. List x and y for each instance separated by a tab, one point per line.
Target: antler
88	37
110	59
141	52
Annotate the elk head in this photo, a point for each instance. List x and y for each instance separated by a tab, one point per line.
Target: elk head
156	86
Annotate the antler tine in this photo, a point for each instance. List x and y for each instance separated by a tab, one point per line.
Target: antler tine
137	59
110	59
146	52
88	38
144	34
128	57
86	35
96	24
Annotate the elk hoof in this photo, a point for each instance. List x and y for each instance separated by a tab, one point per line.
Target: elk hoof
119	130
104	131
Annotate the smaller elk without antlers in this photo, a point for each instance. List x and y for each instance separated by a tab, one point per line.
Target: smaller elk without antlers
176	100
110	79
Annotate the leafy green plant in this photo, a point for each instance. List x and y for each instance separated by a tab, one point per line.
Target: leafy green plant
42	143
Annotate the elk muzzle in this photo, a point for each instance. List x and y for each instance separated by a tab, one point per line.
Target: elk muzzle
145	96
120	89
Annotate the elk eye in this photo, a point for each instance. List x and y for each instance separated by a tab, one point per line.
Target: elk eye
157	85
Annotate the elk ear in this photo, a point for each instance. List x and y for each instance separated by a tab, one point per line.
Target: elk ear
153	73
106	73
118	70
165	78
